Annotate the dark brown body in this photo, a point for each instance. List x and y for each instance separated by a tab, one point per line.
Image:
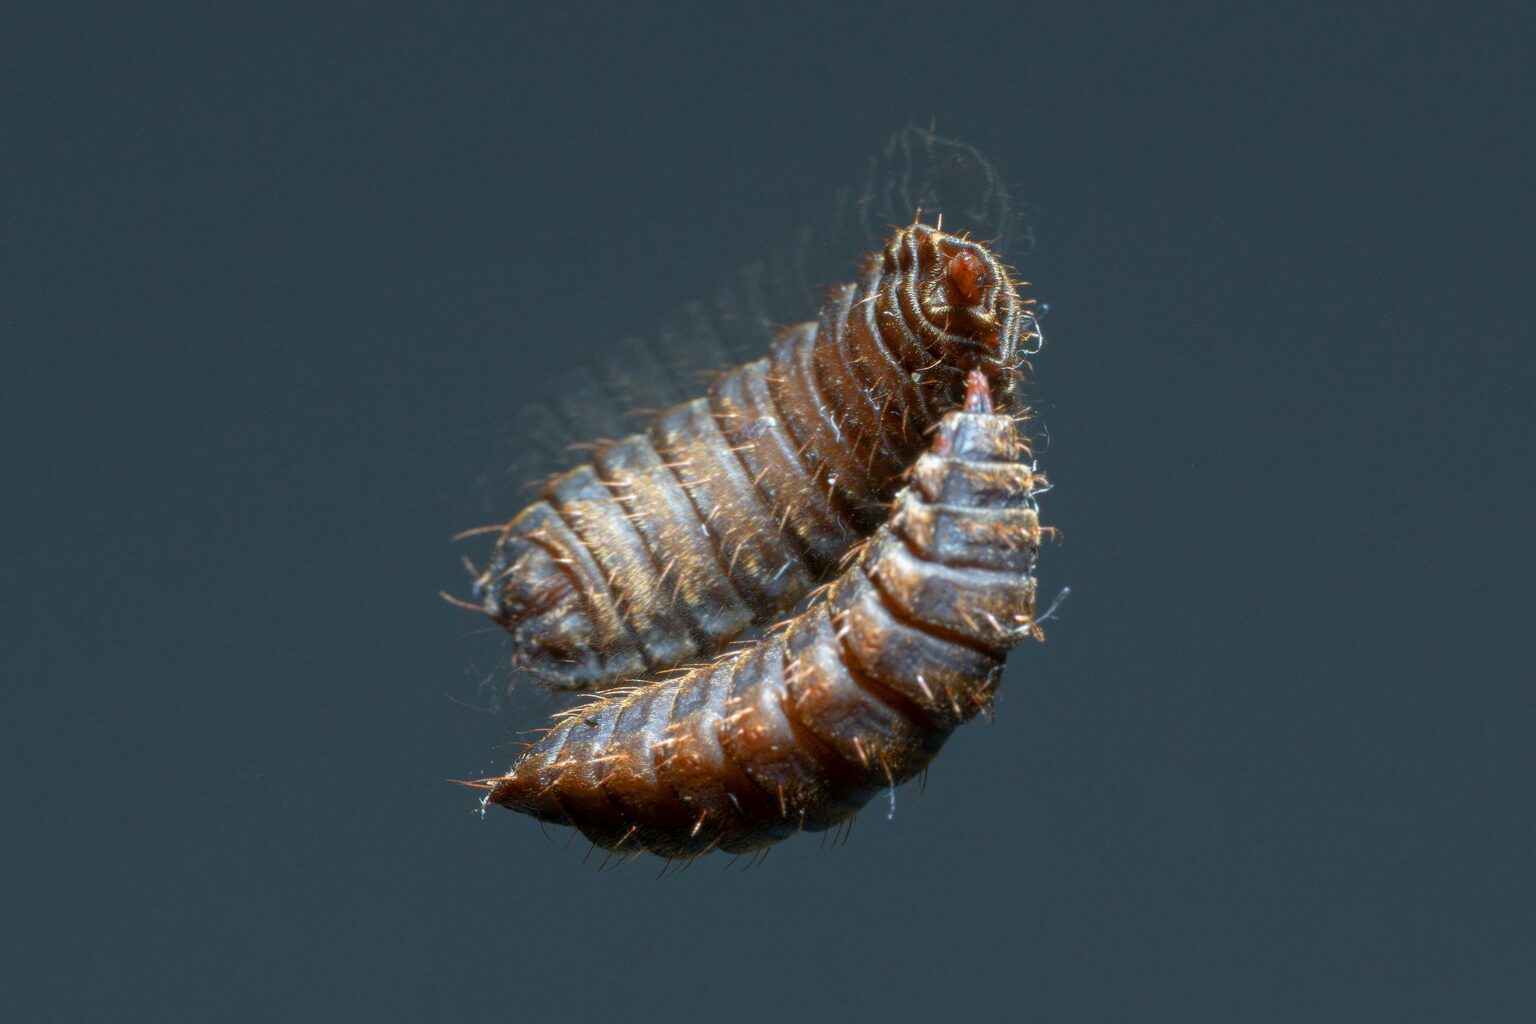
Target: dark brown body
731	507
856	695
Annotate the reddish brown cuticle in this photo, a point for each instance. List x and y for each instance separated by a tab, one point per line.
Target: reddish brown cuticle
968	277
978	393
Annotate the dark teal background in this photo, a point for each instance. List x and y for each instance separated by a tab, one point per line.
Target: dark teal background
275	282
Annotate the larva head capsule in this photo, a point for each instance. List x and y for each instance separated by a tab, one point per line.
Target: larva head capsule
971	315
966	278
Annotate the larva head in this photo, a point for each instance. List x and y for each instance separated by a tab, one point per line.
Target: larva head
969	310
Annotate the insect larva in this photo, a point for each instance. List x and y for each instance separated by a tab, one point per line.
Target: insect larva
857	694
730	507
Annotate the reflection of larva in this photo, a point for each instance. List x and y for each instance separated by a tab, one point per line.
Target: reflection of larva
731	507
856	694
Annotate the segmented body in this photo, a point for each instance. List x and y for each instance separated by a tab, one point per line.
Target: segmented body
732	506
856	694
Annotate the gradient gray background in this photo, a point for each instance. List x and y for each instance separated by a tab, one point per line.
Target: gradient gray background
274	282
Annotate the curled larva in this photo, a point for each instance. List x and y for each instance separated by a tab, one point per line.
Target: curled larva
731	507
855	695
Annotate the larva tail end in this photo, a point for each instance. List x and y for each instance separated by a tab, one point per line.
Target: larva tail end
541	606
